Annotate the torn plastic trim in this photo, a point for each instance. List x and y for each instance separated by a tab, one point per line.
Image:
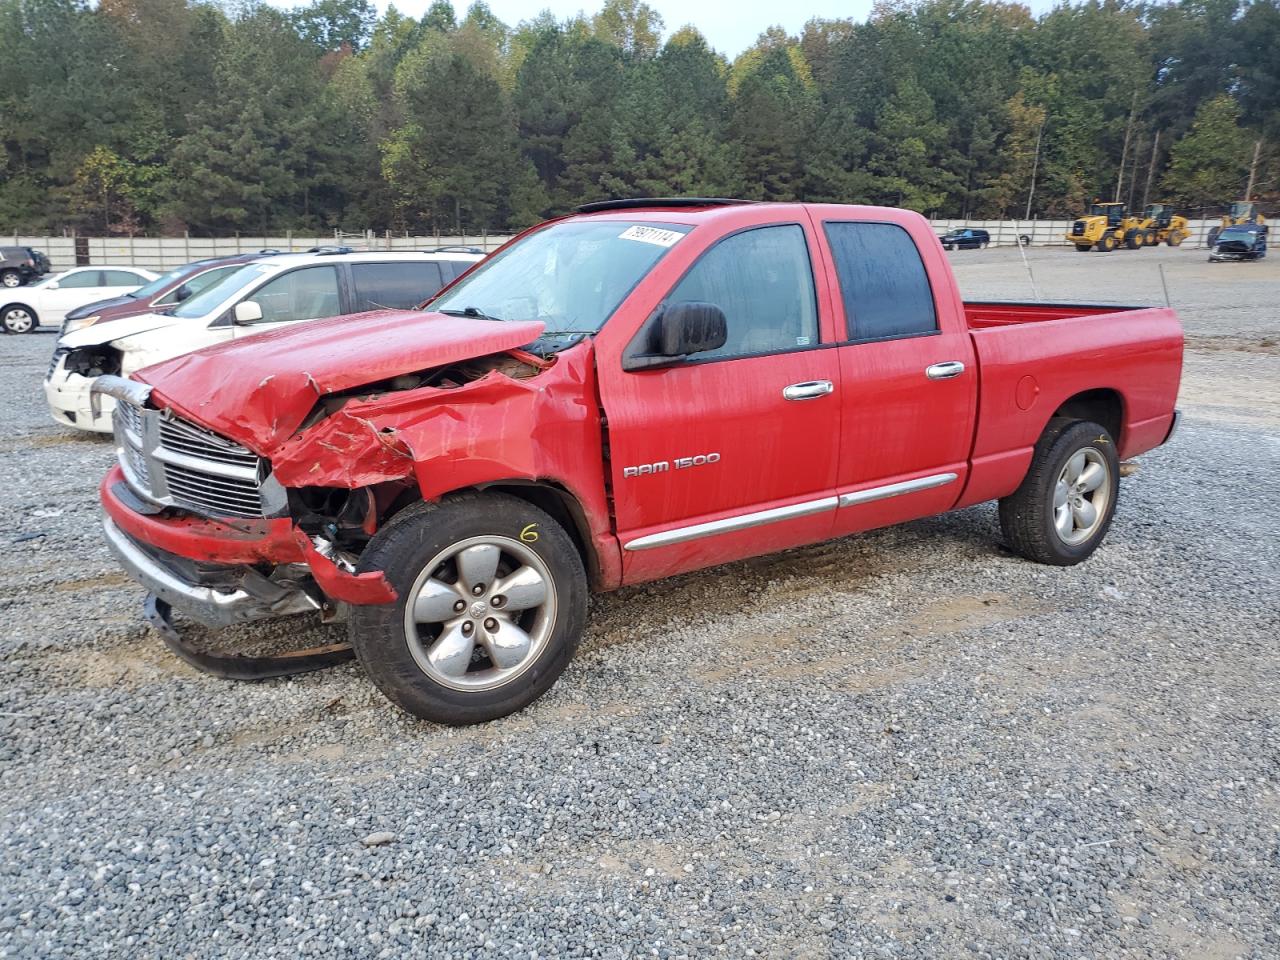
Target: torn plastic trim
119	388
237	666
337	583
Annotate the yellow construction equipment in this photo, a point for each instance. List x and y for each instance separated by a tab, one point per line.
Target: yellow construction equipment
1239	214
1106	226
1164	225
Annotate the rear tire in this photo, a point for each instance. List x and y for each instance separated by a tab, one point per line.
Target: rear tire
11	278
1064	506
1175	238
457	646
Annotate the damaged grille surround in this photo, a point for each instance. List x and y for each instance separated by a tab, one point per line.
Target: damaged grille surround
172	462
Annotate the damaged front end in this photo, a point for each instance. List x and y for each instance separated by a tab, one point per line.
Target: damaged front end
258	498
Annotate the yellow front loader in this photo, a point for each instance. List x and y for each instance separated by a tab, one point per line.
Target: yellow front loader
1106	226
1165	225
1239	214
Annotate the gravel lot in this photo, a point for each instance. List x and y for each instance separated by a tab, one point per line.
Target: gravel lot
904	744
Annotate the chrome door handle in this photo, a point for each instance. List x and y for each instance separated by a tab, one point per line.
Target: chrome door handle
809	390
945	370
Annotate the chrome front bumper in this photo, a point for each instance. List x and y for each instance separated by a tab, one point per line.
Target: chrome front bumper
223	595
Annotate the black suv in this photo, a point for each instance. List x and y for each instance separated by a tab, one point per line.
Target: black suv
19	265
967	239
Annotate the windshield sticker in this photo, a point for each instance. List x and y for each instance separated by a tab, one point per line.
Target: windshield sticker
654	235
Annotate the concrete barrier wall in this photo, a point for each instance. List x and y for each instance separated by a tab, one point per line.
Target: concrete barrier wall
164	253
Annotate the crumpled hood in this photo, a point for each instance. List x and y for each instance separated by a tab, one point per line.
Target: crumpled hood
117	329
259	389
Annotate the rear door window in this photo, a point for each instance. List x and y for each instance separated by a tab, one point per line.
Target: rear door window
395	286
883	282
122	278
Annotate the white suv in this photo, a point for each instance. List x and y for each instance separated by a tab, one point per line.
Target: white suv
260	296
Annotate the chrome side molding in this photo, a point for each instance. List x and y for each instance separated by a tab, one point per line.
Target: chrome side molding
761	517
729	524
895	489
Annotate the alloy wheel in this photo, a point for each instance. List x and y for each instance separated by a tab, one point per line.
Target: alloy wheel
480	613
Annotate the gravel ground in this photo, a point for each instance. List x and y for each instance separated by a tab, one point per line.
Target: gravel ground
903	744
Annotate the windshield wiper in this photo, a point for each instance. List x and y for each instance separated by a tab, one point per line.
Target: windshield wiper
469	312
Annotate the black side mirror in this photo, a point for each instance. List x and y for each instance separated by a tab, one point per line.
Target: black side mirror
679	330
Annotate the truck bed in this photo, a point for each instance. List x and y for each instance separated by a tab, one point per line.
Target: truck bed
1035	359
980	314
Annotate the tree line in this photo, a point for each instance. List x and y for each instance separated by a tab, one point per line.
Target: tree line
134	116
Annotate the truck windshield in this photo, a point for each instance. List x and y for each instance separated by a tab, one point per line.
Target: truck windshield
571	276
208	300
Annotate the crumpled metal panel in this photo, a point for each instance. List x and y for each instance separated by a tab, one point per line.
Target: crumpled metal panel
259	389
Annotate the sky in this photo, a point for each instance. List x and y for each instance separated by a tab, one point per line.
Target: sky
730	26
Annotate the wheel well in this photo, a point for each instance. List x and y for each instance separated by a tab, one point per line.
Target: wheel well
1104	406
563	508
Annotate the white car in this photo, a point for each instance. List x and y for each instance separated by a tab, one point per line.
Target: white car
260	296
49	300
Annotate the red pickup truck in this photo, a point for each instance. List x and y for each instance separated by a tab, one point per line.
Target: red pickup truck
637	390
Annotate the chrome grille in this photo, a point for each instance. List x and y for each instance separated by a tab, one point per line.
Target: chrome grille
188	438
173	462
131	417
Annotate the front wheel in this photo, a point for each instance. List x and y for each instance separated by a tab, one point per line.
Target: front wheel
492	603
1175	238
17	318
1065	504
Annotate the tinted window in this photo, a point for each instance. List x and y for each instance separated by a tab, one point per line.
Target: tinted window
85	278
121	278
397	286
197	283
763	282
306	294
882	281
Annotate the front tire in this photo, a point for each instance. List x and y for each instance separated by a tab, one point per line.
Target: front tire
1064	506
18	318
492	601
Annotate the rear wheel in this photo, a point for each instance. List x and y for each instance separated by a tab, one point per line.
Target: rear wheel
1065	504
18	318
10	278
492	602
1175	238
